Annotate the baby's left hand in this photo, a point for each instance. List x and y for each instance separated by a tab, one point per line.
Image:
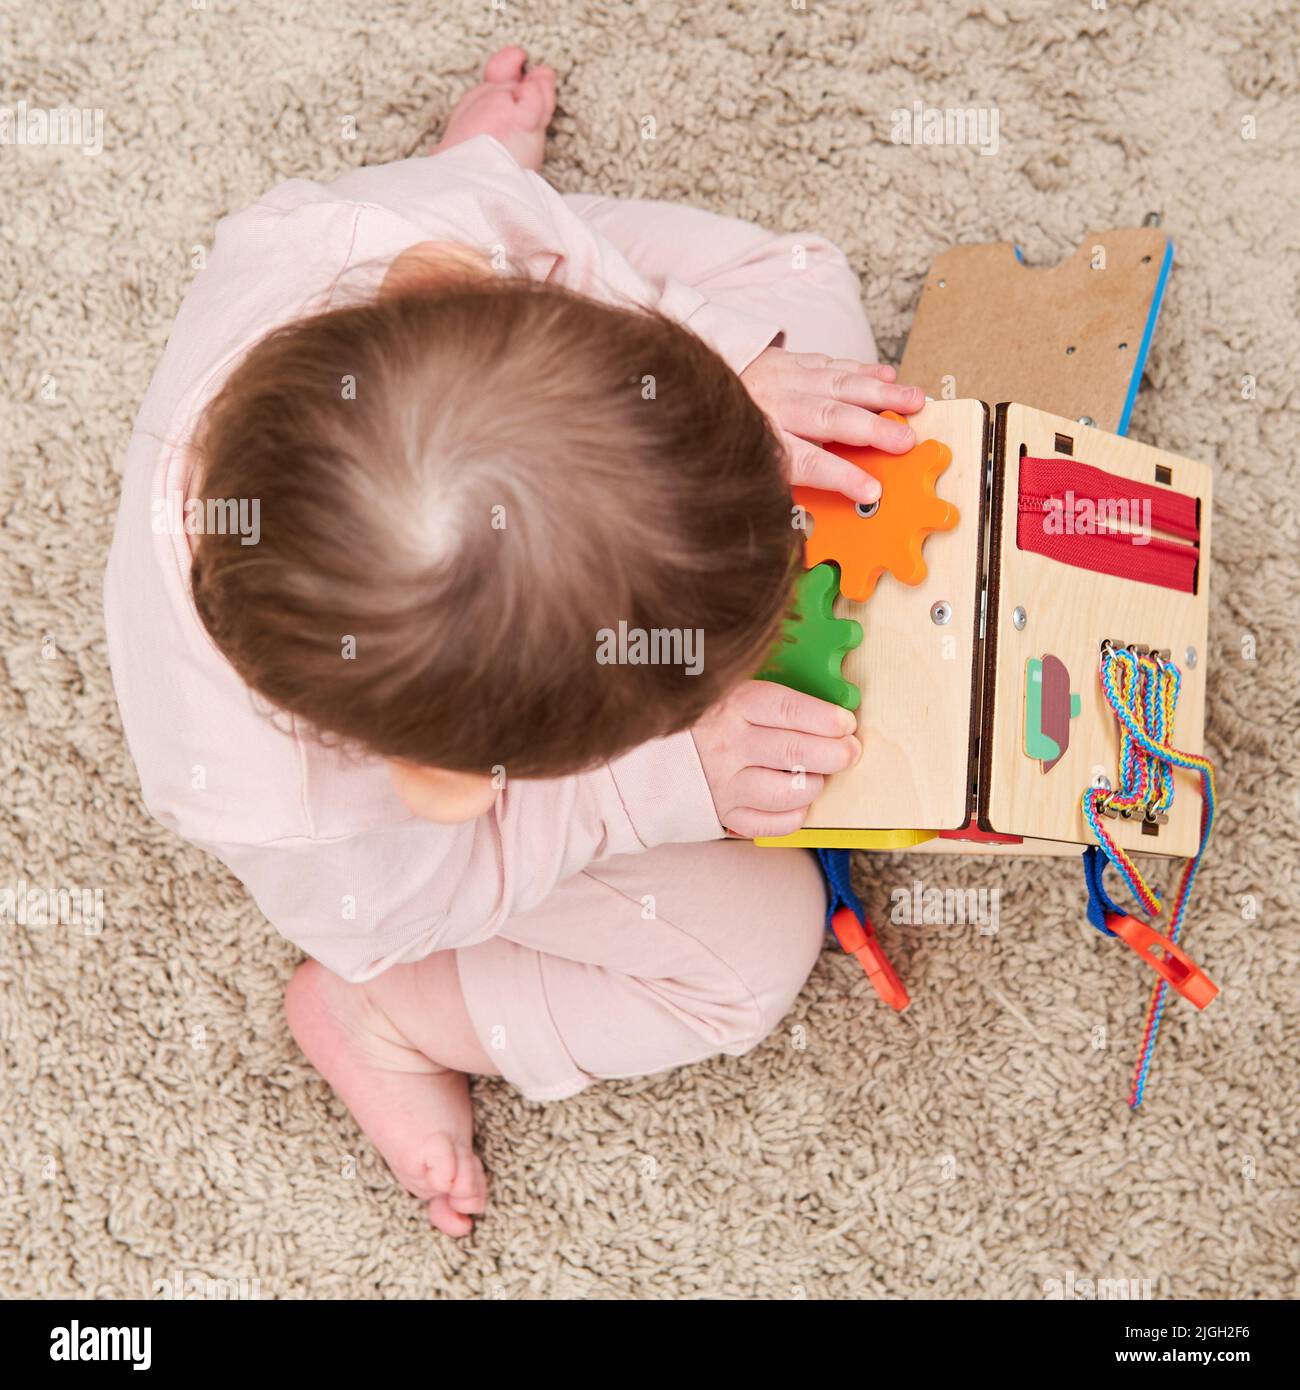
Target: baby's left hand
815	400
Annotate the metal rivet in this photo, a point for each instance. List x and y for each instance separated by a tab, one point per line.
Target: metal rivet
867	509
941	613
1190	655
1086	420
1019	618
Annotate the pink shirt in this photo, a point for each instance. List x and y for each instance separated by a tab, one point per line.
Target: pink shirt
320	839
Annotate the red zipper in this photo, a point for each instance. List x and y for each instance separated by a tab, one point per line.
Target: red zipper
1094	542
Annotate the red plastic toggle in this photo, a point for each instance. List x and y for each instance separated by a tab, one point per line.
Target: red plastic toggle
1175	966
860	940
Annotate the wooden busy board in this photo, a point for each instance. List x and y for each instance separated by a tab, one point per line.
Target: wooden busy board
943	666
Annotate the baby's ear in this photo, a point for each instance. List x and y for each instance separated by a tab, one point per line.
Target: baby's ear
430	265
446	798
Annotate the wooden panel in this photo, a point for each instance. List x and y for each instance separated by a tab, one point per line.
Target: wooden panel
1068	612
1069	338
917	677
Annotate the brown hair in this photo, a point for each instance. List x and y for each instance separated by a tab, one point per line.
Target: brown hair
471	483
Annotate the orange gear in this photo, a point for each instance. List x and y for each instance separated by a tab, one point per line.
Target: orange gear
889	538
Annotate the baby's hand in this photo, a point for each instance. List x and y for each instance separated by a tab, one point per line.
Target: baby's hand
816	400
765	750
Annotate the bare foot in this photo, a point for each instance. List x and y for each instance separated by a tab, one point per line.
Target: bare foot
512	106
415	1112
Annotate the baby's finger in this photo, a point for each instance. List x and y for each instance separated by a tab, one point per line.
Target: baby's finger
749	824
816	360
774	706
813	466
764	789
857	388
783	751
824	419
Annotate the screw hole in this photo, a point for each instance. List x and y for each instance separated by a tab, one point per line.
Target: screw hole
1146	260
1123	347
867	509
1069	352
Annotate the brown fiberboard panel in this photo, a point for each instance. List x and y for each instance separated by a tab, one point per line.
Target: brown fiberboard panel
1064	339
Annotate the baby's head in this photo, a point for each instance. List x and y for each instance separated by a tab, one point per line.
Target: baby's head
502	526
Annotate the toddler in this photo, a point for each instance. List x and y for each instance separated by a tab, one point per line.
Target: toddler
455	524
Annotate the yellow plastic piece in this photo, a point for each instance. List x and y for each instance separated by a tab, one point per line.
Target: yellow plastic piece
849	839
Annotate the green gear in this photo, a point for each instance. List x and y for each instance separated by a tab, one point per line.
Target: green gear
810	652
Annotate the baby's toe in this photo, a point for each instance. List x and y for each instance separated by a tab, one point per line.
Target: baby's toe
506	65
434	1170
544	79
443	1218
533	101
469	1189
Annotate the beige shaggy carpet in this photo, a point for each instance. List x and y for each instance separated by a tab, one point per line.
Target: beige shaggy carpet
158	1121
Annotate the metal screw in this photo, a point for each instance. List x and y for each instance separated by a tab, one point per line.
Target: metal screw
866	509
941	613
942	283
1086	420
1101	782
1019	618
1190	655
1152	219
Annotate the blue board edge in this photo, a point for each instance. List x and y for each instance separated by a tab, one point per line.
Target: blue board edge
1144	347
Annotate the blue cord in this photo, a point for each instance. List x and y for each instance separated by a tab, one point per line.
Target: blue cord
839	886
1099	901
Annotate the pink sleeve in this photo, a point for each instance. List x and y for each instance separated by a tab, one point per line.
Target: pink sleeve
665	794
735	335
363	902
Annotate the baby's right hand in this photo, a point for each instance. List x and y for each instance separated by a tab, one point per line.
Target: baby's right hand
765	751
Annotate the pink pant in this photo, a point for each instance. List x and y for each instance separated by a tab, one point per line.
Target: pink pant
648	961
